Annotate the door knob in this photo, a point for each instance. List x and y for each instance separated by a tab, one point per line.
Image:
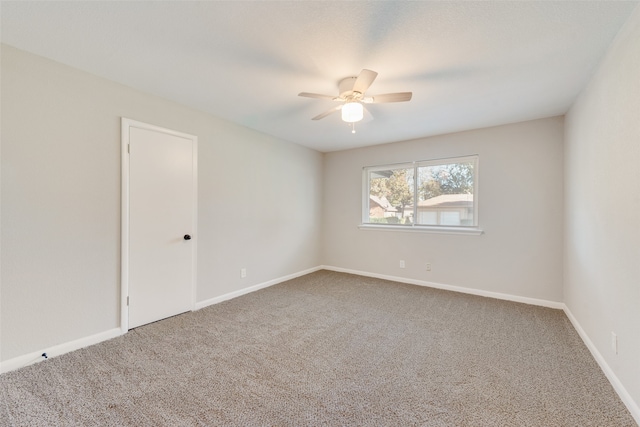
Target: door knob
187	237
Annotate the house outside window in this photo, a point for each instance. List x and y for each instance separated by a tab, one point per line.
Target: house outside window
430	193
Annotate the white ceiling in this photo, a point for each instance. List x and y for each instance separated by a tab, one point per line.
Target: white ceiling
468	64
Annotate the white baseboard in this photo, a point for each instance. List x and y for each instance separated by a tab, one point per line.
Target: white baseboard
235	294
479	292
57	350
626	398
611	376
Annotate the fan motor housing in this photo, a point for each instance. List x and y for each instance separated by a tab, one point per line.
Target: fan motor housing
346	86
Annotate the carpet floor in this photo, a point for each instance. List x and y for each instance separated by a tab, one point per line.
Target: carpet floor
327	349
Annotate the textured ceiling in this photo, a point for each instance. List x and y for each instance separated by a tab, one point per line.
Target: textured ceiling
468	64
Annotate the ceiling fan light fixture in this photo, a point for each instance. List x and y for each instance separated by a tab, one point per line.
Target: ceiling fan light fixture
352	112
352	96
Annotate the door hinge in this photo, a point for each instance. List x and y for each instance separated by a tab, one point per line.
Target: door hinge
129	148
127	301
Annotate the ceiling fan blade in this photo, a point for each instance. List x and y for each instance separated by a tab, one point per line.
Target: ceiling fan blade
364	80
389	97
317	95
367	116
326	113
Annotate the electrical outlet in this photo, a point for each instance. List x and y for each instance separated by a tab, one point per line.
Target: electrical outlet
401	263
428	266
614	342
243	273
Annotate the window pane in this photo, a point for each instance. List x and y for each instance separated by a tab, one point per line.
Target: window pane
391	196
445	194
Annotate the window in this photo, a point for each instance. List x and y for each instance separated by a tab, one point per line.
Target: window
425	194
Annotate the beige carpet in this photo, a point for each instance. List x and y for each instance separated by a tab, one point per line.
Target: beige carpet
328	349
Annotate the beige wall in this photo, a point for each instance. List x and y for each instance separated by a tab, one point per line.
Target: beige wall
602	222
520	211
61	201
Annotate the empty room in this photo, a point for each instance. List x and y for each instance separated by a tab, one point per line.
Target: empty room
301	213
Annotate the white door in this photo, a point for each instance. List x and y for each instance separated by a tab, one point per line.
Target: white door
161	223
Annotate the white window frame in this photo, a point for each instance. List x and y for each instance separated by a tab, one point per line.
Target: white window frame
455	229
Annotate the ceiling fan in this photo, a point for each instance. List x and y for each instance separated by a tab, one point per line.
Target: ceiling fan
352	97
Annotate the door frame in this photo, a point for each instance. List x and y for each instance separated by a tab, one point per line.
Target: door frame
127	124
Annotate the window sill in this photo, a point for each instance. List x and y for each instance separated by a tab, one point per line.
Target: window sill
474	231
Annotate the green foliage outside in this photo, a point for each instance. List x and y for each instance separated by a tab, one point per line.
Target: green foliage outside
390	220
455	178
397	188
